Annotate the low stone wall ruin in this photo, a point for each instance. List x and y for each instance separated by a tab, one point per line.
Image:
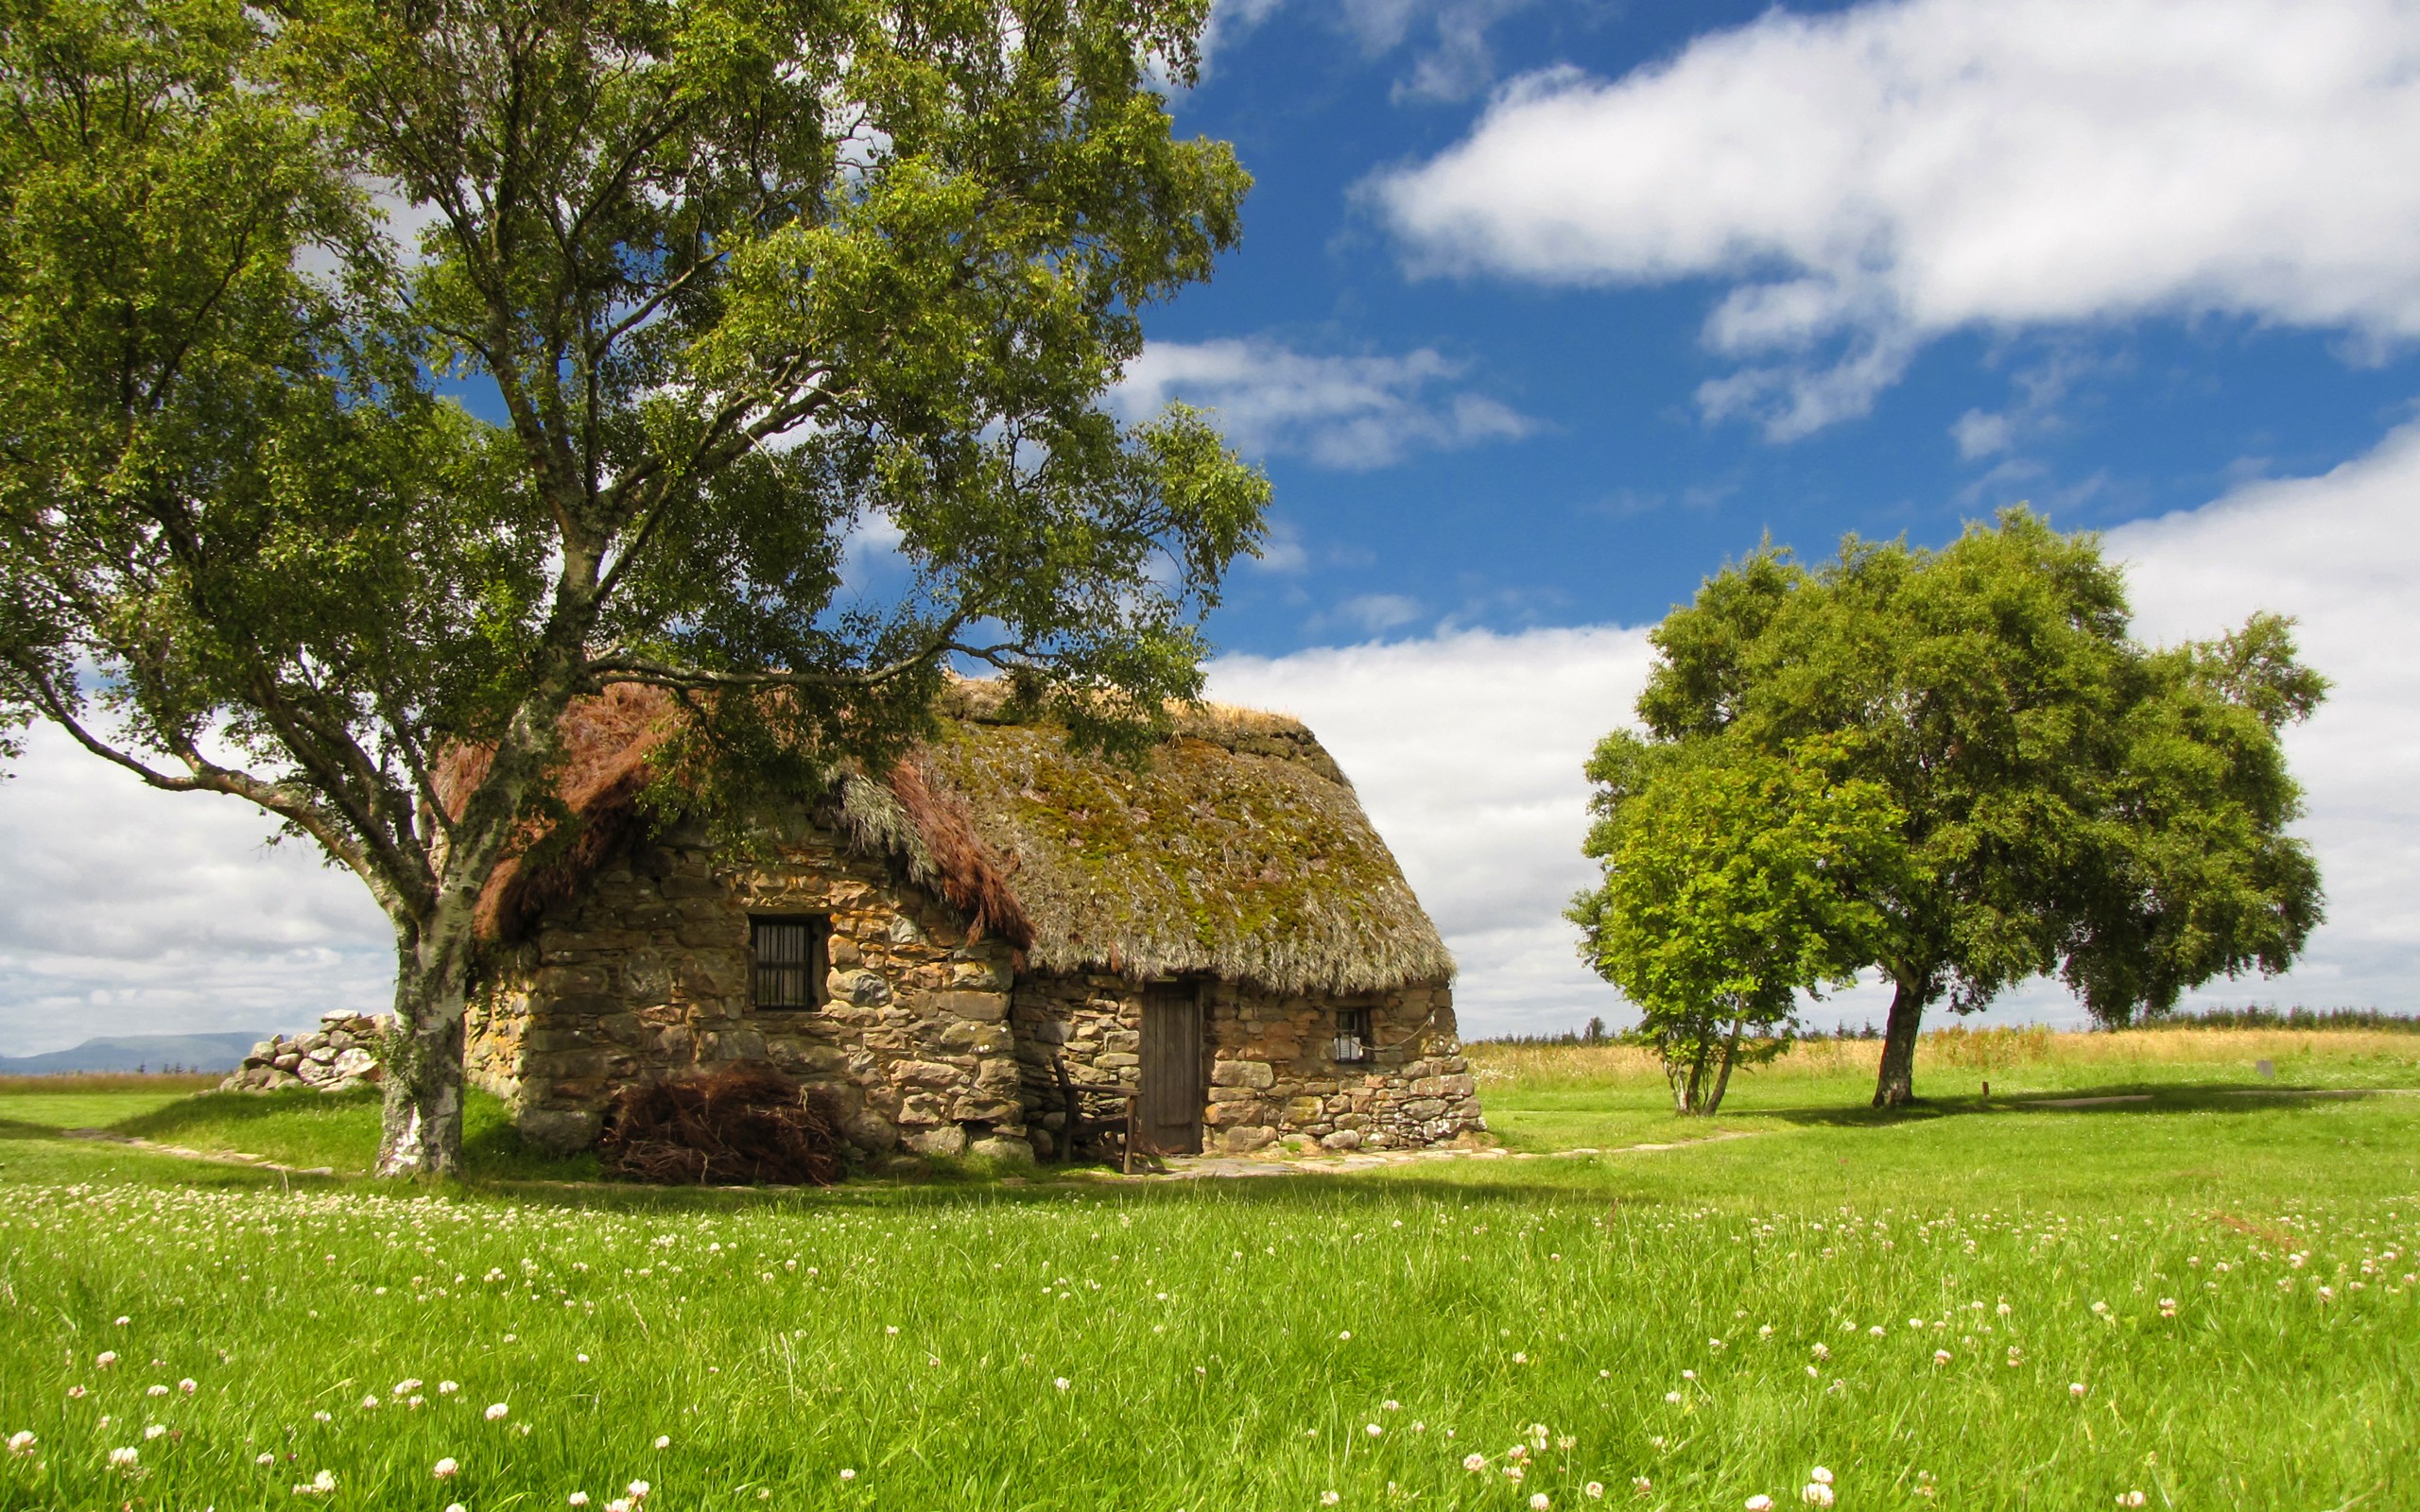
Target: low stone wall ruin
343	1053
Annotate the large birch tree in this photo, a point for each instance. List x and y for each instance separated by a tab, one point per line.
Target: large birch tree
743	281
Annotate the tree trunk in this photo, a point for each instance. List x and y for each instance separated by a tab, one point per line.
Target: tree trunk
1895	1087
421	1134
1722	1075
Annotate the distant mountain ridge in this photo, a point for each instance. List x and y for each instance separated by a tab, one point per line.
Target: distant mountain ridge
153	1051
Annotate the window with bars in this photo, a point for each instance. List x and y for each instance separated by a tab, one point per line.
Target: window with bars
1353	1038
789	956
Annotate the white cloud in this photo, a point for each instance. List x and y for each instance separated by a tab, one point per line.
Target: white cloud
1341	412
1452	58
1466	750
1869	179
125	910
1378	614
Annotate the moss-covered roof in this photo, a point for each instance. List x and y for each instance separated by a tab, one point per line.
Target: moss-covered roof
1237	849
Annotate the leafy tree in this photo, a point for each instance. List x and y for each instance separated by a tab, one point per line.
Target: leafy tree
1734	880
750	282
2073	800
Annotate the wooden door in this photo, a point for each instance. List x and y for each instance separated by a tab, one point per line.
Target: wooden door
1171	1110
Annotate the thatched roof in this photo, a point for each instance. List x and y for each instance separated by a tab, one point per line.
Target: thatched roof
1236	849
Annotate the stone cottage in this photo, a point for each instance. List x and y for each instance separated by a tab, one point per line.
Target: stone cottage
942	947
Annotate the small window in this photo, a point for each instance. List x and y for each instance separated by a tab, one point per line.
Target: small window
789	958
1353	1038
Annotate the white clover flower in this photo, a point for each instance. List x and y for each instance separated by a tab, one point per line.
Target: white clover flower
1346	1336
577	1499
369	1403
324	1416
22	1442
848	1475
663	1440
265	1457
405	1386
124	1321
455	1506
496	1410
1823	1351
447	1388
1373	1429
446	1468
1759	1503
1940	1356
1820	1475
188	1385
1329	1499
1538	1502
155	1389
2075	1388
155	1431
1474	1463
319	1485
1594	1490
638	1490
105	1359
2131	1499
1815	1493
124	1459
1672	1397
1061	1382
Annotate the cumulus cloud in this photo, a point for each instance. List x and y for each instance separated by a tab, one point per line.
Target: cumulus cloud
1872	179
124	910
1466	750
1350	413
1452	58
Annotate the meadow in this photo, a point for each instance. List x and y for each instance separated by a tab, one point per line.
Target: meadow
2201	1296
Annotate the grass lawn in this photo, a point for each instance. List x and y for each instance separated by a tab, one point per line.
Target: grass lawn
2200	1296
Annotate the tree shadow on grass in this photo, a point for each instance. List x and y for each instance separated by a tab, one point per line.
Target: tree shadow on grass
2131	1097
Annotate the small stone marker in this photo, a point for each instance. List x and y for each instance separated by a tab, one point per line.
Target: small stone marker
2266	1067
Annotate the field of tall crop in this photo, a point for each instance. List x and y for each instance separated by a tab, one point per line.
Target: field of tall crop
2202	1297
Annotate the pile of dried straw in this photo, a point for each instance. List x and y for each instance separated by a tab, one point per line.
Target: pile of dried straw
743	1122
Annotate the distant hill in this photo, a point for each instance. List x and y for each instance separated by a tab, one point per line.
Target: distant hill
195	1052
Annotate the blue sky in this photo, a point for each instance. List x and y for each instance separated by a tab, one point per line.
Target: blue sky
1602	489
1544	308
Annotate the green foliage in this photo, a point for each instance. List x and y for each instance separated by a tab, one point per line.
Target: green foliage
754	282
1733	881
2068	799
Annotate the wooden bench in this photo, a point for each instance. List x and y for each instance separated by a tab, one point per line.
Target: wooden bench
1126	1124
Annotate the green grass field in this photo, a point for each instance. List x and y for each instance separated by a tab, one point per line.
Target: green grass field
2201	1296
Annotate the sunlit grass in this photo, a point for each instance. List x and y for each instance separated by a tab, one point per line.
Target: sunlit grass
1230	1343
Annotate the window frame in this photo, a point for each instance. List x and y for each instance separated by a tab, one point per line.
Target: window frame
815	966
1357	1026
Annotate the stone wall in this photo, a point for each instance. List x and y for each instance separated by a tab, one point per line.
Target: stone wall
342	1053
929	1042
646	974
1271	1077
